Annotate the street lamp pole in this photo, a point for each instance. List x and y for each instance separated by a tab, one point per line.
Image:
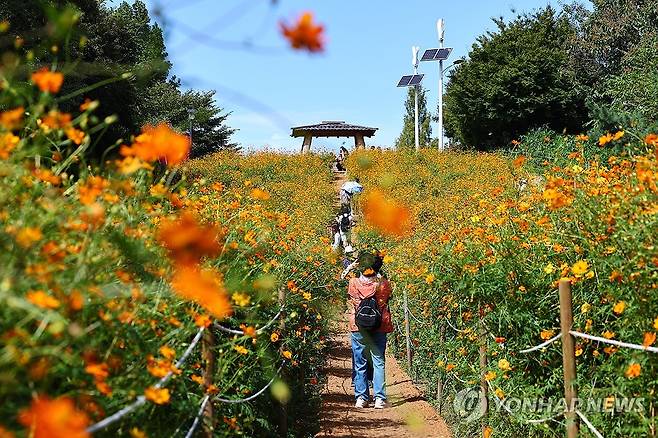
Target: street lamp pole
414	51
190	115
440	29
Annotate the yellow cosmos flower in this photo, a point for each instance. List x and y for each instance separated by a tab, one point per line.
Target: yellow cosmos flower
619	308
580	267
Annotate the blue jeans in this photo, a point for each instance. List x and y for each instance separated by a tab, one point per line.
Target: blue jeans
376	342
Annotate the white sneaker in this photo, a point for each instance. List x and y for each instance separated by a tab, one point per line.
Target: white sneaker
380	403
361	403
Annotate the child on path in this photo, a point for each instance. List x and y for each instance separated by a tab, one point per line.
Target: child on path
360	290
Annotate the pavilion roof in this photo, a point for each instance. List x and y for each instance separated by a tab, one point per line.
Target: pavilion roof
332	129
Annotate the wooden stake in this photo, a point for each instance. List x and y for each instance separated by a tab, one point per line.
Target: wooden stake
439	383
283	421
407	330
568	357
484	388
208	354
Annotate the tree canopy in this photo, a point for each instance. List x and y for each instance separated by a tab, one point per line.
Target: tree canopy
122	48
517	78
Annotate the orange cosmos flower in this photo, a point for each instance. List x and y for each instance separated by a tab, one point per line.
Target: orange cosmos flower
188	241
92	189
48	176
55	120
260	194
518	162
605	139
4	433
634	370
304	34
157	396
649	339
57	418
12	119
385	214
204	287
75	135
159	143
8	143
48	81
27	236
41	299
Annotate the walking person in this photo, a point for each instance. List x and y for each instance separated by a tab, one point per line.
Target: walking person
369	323
347	190
343	224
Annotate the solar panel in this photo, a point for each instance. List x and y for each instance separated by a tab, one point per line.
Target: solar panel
415	80
442	54
429	55
404	82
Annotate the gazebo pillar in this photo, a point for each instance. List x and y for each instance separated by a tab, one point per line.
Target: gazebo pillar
359	141
306	146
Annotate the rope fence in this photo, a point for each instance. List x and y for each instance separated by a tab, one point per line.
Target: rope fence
141	400
567	335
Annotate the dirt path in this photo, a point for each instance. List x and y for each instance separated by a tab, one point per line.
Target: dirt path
407	414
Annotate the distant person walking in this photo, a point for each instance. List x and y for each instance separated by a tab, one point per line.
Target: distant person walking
342	159
347	190
369	322
343	224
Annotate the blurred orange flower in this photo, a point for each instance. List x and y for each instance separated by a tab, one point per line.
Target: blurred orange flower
48	81
633	370
260	194
41	299
8	143
57	418
75	135
304	34
649	339
159	143
385	214
518	162
12	119
204	287
27	236
157	396
188	241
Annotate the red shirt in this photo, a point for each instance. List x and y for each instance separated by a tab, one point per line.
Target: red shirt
364	287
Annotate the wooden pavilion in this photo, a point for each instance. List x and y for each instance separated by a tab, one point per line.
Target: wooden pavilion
333	129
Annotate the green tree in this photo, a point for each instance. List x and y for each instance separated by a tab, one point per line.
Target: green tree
123	48
517	78
615	55
406	140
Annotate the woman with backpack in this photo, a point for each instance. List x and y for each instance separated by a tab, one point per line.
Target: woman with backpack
369	322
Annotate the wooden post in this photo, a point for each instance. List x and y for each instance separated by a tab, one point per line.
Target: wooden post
439	383
407	330
208	354
306	146
283	423
484	387
568	357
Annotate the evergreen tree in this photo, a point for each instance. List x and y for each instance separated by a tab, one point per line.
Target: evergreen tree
107	43
406	140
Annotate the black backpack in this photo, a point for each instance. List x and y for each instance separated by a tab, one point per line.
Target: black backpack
345	222
368	316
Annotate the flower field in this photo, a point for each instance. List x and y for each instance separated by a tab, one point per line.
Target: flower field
110	272
488	238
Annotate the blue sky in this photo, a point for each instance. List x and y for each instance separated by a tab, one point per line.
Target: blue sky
269	88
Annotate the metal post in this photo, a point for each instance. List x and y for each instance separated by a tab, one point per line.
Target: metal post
568	357
440	27
407	330
414	50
